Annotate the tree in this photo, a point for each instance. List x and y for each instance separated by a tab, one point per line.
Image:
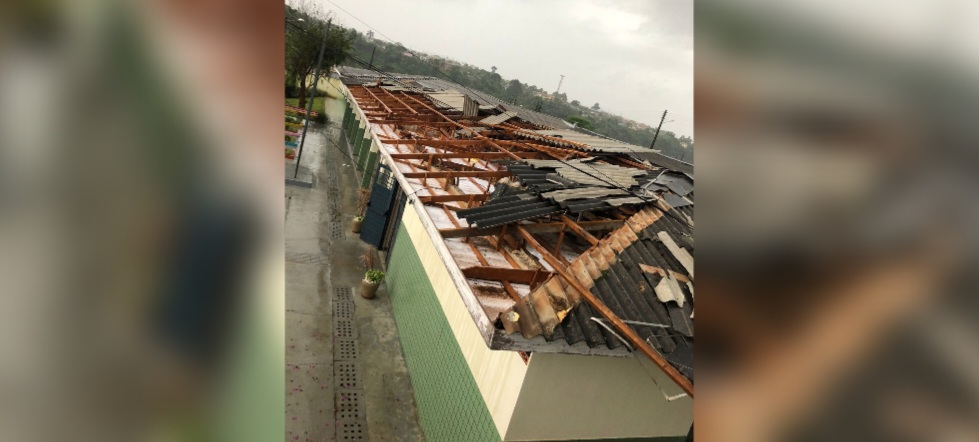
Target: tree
580	122
514	89
596	107
561	96
576	103
303	42
494	69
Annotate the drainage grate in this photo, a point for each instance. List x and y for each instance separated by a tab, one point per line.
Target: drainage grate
351	412
343	328
353	398
342	294
336	231
343	309
345	349
351	431
304	258
347	375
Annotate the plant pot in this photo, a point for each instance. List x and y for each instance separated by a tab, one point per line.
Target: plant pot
356	225
368	289
291	157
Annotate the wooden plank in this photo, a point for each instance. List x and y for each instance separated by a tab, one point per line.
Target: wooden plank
399	100
465	197
434	143
678	252
464	232
464	155
449	155
459	174
386	108
520	276
578	230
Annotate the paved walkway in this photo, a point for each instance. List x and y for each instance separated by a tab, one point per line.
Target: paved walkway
322	255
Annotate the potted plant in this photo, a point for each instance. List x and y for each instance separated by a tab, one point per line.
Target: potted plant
290	153
357	224
372	280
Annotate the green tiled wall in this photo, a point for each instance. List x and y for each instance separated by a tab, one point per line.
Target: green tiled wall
450	407
369	170
365	150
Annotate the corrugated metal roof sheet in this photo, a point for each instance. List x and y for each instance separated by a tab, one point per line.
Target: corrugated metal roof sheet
585	141
497	119
580	193
592	174
658	159
450	99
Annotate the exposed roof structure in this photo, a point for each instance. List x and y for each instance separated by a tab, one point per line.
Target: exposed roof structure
560	241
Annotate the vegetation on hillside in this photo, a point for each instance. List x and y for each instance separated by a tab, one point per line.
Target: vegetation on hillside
396	58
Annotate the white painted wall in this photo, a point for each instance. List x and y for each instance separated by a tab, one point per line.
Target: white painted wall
593	397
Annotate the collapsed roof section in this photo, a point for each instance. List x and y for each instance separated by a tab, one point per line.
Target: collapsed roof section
565	242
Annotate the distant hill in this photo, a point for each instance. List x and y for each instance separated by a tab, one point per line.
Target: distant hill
398	59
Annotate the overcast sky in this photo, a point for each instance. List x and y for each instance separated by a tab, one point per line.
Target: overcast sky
634	57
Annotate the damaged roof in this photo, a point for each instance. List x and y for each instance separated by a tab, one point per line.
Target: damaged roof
526	214
638	272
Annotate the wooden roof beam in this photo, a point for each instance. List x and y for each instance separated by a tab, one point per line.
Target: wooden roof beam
465	198
519	276
449	155
464	232
399	100
459	174
378	100
462	126
434	143
577	230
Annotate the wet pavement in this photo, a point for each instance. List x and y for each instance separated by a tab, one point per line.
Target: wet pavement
322	262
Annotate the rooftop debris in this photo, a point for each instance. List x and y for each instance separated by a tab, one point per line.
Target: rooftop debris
572	229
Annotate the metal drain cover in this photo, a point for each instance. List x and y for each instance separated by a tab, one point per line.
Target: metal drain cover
345	349
336	231
347	375
351	430
351	411
342	293
343	309
343	328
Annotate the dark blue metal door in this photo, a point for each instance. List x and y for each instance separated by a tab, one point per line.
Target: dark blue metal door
379	208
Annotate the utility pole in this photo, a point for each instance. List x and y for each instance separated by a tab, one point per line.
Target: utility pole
370	64
312	97
657	130
559	85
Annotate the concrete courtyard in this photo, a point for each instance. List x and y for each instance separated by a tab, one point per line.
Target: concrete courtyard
345	372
